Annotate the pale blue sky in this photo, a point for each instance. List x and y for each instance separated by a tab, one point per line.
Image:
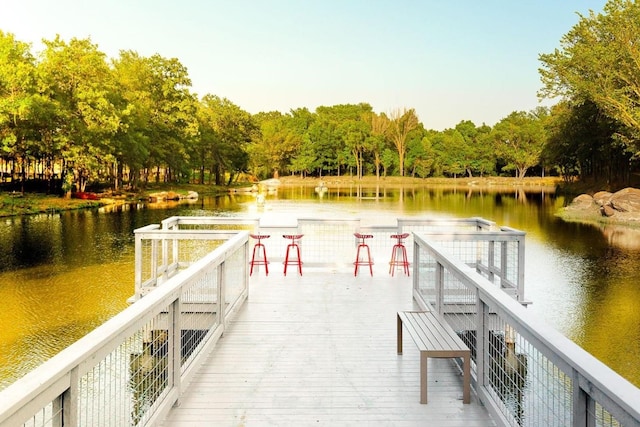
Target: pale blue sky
450	60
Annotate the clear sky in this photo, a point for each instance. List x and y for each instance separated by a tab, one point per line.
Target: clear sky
451	60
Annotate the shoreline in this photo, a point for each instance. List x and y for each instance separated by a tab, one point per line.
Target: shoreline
16	204
396	181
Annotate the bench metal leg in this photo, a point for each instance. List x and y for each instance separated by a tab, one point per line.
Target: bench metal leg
423	377
466	394
399	335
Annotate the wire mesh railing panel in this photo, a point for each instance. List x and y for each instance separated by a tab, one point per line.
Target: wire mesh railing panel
426	272
49	416
199	314
120	389
458	307
523	369
511	262
235	270
543	389
327	242
602	417
463	250
148	357
190	251
150	255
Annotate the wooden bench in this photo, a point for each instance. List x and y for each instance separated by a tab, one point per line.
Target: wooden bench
434	338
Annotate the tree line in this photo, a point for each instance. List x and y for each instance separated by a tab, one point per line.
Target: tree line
70	117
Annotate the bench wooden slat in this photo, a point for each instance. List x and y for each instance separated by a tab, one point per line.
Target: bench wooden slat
434	338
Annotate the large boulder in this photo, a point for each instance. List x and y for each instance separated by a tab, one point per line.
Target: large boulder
626	200
602	198
622	206
583	202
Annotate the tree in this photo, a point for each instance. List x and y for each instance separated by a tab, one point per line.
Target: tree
402	122
132	142
278	139
379	124
450	147
18	102
582	142
599	61
420	155
76	77
355	133
234	128
159	118
520	139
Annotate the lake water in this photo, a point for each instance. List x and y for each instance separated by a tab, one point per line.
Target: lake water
62	275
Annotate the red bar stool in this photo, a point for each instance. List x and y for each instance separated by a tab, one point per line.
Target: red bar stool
262	258
361	261
295	243
399	254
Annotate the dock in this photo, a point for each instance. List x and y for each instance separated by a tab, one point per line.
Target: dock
207	342
320	349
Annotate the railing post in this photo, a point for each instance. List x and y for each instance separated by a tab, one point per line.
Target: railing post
165	259
583	406
521	269
504	263
221	296
175	346
175	255
439	287
491	260
416	265
482	340
70	400
57	418
138	265
154	261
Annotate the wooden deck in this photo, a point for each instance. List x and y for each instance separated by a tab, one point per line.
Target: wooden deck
321	350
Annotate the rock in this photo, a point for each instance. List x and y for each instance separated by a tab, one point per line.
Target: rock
172	195
607	210
602	198
622	207
626	200
582	202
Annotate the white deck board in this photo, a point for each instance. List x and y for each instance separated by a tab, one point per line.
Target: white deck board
321	350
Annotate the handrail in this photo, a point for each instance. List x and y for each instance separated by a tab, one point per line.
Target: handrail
517	354
165	332
56	389
508	269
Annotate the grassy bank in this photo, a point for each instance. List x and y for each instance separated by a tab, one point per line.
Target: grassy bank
12	204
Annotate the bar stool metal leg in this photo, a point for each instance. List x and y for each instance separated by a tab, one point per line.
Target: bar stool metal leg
399	254
359	261
262	257
294	244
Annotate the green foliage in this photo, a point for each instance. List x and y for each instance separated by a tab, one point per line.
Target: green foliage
134	119
520	139
596	73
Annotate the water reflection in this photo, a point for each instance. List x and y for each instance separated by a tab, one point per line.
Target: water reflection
61	275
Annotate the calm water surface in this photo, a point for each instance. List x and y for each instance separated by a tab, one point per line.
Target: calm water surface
62	275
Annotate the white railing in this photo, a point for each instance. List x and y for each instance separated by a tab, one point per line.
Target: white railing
525	372
161	251
130	370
